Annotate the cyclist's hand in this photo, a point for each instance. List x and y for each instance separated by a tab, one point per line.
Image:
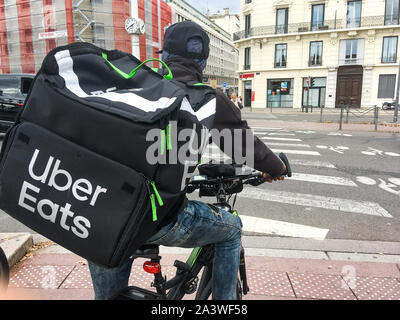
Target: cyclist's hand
269	179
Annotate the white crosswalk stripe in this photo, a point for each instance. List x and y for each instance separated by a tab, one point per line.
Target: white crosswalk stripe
339	181
280	134
279	140
299	145
302	152
274	227
309	200
309	163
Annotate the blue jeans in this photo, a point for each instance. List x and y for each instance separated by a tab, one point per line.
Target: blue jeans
197	225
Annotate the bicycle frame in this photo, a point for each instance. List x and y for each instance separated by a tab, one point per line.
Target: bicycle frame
186	279
4	271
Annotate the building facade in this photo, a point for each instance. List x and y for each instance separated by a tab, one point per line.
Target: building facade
347	47
227	21
29	29
222	64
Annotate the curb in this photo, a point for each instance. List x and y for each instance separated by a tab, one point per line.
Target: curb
15	246
291	248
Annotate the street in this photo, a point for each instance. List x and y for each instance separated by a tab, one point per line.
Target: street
344	186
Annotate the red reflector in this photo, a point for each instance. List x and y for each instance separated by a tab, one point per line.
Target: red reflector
151	267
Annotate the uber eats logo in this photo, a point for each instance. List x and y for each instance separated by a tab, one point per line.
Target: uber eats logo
61	180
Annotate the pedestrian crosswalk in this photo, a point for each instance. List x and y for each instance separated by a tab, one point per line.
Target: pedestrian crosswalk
295	143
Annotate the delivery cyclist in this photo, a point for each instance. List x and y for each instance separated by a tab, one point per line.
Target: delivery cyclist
185	51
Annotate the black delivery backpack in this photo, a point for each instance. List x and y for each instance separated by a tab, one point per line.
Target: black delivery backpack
73	167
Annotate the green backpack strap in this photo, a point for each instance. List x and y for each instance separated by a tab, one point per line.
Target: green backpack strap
169	76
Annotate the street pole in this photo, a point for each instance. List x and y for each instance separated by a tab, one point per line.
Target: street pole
396	110
135	37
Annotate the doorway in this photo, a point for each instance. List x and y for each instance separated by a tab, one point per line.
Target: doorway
349	86
247	94
314	96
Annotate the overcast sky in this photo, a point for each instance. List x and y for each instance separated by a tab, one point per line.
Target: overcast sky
215	5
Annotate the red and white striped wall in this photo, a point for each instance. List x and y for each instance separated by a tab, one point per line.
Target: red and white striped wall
27	29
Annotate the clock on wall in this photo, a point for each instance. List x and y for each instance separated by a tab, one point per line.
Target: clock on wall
134	26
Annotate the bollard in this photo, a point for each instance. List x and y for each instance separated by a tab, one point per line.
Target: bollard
320	117
376	112
347	113
341	118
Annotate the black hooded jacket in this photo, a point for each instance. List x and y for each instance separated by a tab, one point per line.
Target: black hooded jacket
227	116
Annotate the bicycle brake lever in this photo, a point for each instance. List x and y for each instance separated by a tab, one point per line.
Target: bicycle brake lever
285	160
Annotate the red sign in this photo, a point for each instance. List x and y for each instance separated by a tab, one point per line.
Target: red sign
253	96
246	76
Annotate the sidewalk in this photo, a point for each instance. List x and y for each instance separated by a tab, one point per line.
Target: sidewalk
308	270
311	121
324	126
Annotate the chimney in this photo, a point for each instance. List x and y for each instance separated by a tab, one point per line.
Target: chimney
226	11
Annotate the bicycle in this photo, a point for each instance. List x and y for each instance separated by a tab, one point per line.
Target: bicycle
218	180
4	271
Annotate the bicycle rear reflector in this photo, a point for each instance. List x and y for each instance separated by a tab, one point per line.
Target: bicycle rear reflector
151	267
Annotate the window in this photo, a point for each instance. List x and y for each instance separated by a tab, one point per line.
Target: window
247	58
280	55
282	20
392	12
317	17
351	49
353	14
248	1
98	27
247	25
315	53
386	86
389	50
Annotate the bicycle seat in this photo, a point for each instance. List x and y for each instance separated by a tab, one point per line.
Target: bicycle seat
149	251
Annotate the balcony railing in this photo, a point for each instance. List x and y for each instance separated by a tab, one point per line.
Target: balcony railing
337	24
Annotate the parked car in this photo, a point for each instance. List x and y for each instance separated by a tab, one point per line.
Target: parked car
389	105
13	91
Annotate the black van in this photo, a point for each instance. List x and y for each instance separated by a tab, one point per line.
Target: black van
13	91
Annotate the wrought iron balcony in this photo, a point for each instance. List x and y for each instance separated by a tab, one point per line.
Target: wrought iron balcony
298	28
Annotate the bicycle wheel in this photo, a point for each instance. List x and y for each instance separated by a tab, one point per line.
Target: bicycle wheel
4	271
205	287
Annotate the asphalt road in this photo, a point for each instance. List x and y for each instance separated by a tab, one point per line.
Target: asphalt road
344	187
337	190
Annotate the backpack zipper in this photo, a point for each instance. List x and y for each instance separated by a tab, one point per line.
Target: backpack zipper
153	195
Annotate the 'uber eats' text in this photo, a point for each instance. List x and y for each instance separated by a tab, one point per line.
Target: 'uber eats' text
81	189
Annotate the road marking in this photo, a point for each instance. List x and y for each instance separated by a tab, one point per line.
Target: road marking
281	134
339	181
302	152
274	227
396	181
309	200
261	128
308	163
366	180
280	139
289	144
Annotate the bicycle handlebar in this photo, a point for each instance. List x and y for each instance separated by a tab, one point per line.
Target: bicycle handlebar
254	179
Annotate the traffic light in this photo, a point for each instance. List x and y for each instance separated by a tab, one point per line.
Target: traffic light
312	82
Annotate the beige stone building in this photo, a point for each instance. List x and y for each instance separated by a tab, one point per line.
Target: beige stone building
348	47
